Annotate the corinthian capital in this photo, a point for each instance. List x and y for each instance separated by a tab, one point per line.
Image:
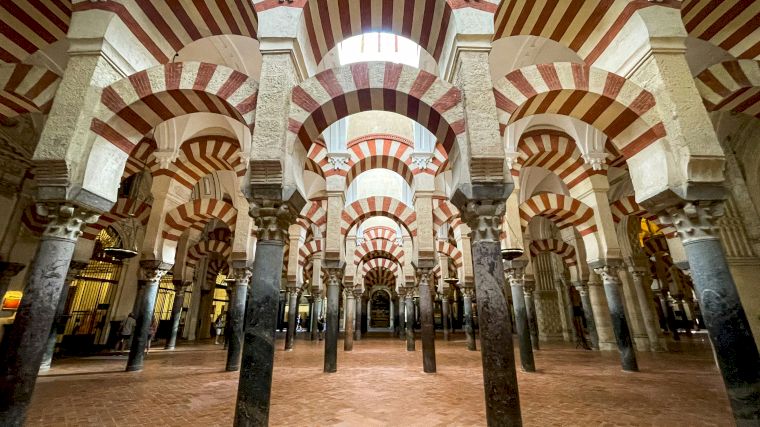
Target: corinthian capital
273	218
153	270
65	220
609	270
697	221
241	275
482	207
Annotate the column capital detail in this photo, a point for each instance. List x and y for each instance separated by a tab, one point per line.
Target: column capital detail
153	270
515	275
528	286
697	221
65	220
468	291
273	218
241	275
609	271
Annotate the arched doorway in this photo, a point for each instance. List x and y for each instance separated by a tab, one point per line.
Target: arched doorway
379	309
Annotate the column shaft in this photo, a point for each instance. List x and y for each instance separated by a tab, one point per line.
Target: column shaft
350	320
613	289
401	317
647	313
521	323
588	314
74	269
530	312
409	319
469	332
333	324
316	312
236	317
445	309
290	336
179	301
144	319
358	317
426	321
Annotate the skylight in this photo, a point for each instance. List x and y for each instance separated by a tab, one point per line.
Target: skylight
379	47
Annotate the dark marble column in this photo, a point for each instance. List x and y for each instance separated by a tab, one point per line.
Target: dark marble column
409	318
726	321
273	217
179	301
402	313
613	290
358	315
425	285
482	209
394	313
75	267
335	275
446	314
469	332
316	312
515	274
151	272
588	313
529	287
290	336
236	317
350	320
27	339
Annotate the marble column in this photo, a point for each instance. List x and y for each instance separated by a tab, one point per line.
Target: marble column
567	305
350	320
236	317
179	301
29	335
151	272
601	313
529	288
613	289
516	280
445	314
425	285
394	313
290	336
358	315
483	210
645	305
335	275
588	313
727	325
409	319
75	267
273	218
402	313
316	313
467	293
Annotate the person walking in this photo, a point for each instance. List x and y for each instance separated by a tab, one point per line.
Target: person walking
219	326
151	334
126	329
321	325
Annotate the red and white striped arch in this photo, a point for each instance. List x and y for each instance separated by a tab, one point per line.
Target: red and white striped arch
380	248
26	89
124	208
585	26
32	221
564	211
206	247
222	234
308	249
140	158
314	212
378	206
197	212
626	206
380	277
443	212
557	152
728	24
339	92
216	266
31	25
380	263
731	86
564	250
451	251
132	107
165	27
199	157
380	232
625	112
328	22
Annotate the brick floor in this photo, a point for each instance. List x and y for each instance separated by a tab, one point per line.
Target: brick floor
380	384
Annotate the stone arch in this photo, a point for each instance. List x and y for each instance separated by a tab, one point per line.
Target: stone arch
381	248
314	213
182	217
308	249
206	247
731	86
199	157
26	89
564	211
124	208
380	232
444	212
451	251
703	20
378	276
378	205
618	107
380	263
49	25
339	92
627	206
564	250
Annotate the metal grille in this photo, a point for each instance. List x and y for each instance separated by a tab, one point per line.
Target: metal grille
90	297
164	299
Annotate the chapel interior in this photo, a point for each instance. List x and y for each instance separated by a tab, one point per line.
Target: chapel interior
379	212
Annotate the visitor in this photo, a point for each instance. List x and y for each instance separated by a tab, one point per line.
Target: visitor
151	334
125	332
219	328
321	325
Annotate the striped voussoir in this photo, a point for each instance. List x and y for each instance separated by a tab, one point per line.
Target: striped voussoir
308	249
564	211
206	247
313	213
627	205
379	248
587	27
564	250
557	152
328	22
196	213
31	25
216	266
32	221
444	211
166	27
728	24
451	251
140	158
132	107
379	277
222	234
124	208
380	232
26	89
339	92
199	157
618	107
380	263
731	86
378	206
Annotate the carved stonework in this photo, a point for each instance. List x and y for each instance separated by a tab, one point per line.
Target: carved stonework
338	161
528	287
515	275
273	218
423	276
484	217
153	270
697	221
358	293
422	160
609	272
334	274
65	220
468	291
241	275
582	288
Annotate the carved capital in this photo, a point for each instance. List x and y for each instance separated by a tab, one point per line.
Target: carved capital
348	291
697	221
273	218
152	270
241	275
482	207
358	293
609	271
468	291
528	287
65	220
334	270
581	287
515	275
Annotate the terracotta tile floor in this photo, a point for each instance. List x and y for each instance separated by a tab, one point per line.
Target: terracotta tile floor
379	383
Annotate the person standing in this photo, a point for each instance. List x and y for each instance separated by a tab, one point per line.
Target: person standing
151	334
126	329
321	325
